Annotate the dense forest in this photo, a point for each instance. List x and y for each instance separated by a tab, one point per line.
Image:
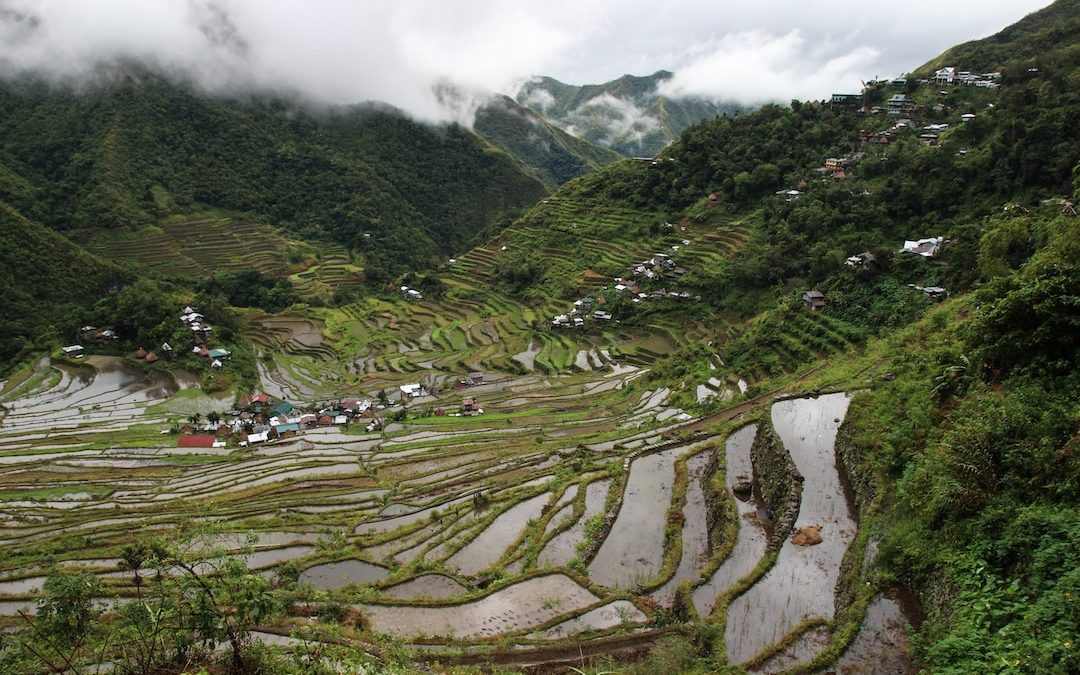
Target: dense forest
134	147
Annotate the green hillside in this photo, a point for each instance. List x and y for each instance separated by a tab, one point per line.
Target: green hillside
626	114
966	441
800	393
1039	34
547	152
135	147
46	282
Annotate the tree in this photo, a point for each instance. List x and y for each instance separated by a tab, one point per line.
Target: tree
65	617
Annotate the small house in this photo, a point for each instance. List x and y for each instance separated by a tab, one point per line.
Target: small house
284	409
845	99
862	261
196	441
967	117
945	75
935	293
469	407
258	437
73	351
411	390
813	300
476	379
220	354
287	430
927	248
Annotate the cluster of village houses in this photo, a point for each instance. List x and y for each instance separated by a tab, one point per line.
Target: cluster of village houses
900	104
261	418
76	351
660	267
201	332
814	300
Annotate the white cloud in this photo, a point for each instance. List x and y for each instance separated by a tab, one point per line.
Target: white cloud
623	121
344	51
755	67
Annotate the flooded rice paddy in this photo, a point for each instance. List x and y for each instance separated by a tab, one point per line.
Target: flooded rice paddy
802	582
529	524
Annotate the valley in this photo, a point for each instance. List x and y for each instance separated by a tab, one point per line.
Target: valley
290	387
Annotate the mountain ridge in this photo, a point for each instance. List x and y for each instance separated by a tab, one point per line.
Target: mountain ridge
626	114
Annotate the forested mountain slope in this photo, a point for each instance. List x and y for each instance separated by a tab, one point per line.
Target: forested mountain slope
547	152
135	146
44	277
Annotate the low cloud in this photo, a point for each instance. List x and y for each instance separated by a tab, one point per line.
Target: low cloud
536	98
405	54
622	120
755	67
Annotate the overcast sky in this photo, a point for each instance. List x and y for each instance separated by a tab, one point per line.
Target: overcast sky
345	51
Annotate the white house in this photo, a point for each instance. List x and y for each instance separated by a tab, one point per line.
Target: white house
74	351
927	248
945	75
411	390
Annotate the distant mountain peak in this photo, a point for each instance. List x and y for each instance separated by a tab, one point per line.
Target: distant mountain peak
627	114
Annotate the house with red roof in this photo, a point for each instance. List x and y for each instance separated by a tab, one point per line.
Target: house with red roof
196	441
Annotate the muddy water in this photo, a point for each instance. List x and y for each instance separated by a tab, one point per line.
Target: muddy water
562	547
489	546
426	586
881	645
518	607
21	586
618	613
333	575
751	538
581	361
695	531
13	607
527	358
802	582
634	549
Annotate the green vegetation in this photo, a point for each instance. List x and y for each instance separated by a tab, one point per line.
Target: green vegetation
45	280
136	148
960	443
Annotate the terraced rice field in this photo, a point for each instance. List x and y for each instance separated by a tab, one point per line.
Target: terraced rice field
195	248
547	519
573	509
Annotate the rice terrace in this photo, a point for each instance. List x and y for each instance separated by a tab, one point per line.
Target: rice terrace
324	352
453	475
